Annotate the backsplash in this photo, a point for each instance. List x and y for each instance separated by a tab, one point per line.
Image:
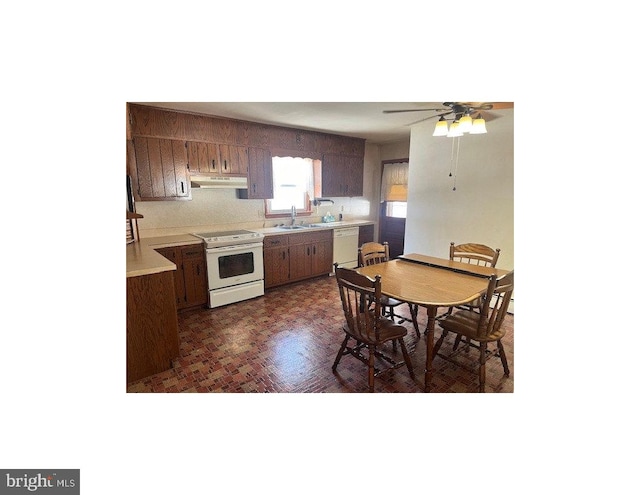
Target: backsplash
220	209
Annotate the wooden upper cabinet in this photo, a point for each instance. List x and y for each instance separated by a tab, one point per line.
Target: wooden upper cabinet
158	168
203	157
156	122
260	176
234	160
342	175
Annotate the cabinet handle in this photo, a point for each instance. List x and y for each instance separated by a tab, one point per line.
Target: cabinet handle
198	270
314	250
182	186
283	255
225	165
213	164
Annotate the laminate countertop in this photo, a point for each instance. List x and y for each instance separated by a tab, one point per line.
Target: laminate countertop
142	259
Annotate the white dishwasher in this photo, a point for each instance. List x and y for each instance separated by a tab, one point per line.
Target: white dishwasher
345	246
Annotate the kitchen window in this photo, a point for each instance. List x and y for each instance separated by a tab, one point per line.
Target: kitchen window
293	185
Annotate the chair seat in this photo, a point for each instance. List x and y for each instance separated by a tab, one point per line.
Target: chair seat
388	331
465	323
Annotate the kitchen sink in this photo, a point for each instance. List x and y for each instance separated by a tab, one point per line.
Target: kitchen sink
293	227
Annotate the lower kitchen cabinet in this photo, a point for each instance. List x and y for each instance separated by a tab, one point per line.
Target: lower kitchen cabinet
190	277
294	257
152	325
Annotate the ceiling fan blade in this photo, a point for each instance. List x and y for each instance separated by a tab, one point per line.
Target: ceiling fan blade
415	110
430	117
487	116
494	105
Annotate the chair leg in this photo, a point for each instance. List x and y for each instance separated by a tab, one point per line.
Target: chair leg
436	347
392	315
483	360
340	353
372	351
503	358
413	309
407	359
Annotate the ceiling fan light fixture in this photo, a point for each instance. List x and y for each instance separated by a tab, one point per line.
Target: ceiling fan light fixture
478	126
454	130
466	123
441	128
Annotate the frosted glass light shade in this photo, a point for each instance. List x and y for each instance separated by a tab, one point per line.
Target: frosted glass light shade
441	128
454	130
478	126
465	124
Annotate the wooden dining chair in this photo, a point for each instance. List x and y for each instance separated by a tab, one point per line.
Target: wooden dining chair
371	253
365	324
474	254
481	328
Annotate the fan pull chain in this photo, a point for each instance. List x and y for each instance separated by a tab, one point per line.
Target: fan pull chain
455	176
453	143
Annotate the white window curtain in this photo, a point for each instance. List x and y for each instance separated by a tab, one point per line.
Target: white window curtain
394	174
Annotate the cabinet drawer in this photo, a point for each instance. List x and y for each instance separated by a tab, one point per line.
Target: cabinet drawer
309	237
192	252
276	240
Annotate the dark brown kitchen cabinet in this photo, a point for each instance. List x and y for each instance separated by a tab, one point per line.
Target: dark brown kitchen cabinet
311	254
276	260
158	169
342	175
190	277
152	325
217	159
203	157
234	160
260	175
294	257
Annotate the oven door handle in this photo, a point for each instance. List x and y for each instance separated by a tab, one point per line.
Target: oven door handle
238	248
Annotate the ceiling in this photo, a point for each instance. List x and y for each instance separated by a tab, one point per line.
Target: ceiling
363	120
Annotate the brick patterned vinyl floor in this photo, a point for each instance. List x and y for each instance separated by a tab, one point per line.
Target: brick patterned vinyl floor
287	341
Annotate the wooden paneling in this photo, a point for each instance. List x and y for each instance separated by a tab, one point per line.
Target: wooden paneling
170	124
152	325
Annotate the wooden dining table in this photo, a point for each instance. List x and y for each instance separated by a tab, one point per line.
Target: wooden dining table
433	283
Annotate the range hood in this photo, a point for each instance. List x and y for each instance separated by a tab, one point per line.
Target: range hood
216	181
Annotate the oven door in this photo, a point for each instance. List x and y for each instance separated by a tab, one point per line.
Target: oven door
234	265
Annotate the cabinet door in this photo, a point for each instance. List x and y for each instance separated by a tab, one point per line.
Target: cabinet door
203	157
260	176
195	276
173	255
276	266
342	175
234	160
160	170
322	258
300	262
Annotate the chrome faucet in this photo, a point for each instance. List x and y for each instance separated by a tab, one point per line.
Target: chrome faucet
293	215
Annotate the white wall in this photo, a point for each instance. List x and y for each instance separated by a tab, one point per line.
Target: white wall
482	207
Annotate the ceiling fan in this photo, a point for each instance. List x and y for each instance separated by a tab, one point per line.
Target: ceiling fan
458	109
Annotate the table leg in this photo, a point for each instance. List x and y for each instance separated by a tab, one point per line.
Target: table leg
431	322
